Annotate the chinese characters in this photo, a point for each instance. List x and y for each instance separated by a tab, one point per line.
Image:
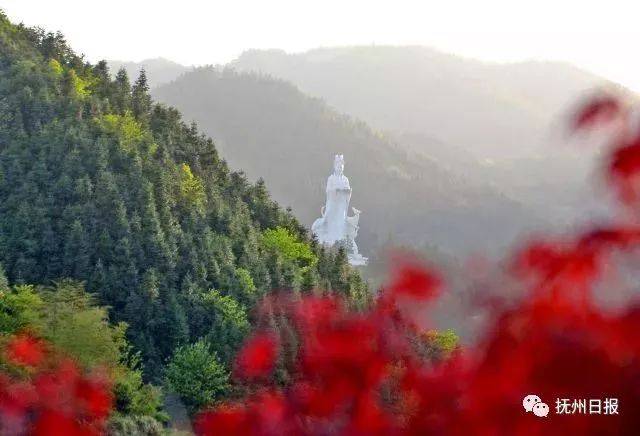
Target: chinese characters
593	406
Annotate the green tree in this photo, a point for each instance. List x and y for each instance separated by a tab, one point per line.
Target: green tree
122	95
229	325
76	325
309	279
285	243
103	86
339	273
132	396
191	189
76	252
140	98
197	376
20	308
68	318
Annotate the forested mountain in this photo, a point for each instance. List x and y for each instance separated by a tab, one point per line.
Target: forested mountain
158	70
100	184
272	130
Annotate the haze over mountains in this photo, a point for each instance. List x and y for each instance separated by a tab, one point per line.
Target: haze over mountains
496	111
441	150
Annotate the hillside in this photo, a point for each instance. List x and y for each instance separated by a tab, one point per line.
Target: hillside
272	130
101	185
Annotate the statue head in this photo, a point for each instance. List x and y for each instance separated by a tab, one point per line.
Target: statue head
338	165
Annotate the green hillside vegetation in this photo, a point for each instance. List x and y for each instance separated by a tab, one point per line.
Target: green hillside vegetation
101	185
69	319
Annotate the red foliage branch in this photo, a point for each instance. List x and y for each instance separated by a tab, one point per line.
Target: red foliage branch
47	394
357	373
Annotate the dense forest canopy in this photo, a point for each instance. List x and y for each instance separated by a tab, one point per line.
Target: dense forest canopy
100	184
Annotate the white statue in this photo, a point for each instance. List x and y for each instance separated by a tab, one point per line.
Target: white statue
335	226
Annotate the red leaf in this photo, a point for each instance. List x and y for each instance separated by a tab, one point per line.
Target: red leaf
56	423
95	397
25	351
226	420
257	356
415	282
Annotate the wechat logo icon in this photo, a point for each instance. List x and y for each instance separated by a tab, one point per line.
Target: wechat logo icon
533	403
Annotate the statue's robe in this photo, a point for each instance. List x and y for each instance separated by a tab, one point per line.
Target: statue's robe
335	225
336	208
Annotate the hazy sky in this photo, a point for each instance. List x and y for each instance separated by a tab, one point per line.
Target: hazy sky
600	36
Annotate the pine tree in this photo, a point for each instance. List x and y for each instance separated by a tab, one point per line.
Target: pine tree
309	279
170	329
76	253
122	96
98	279
140	99
340	272
103	87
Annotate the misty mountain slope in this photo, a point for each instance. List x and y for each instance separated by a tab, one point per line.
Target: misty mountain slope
494	124
159	70
289	139
492	110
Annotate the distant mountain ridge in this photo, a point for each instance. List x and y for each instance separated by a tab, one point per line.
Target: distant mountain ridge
493	110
